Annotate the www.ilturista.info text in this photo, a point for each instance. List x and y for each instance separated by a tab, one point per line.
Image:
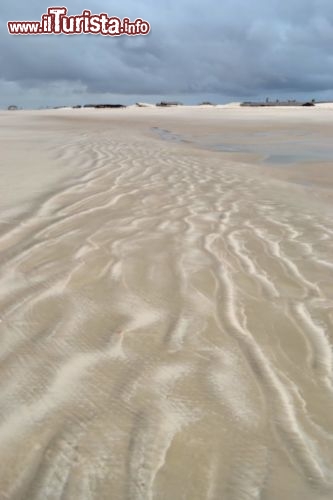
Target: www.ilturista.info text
56	22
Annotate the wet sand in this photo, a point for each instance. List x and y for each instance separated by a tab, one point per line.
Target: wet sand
165	310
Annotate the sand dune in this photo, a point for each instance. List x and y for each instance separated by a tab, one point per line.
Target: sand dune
166	321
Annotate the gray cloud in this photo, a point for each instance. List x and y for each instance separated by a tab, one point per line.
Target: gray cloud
230	48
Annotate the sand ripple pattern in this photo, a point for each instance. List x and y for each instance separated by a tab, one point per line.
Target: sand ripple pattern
166	333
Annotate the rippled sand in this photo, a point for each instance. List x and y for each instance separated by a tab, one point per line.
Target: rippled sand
166	317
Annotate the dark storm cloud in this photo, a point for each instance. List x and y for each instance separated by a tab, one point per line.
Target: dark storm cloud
233	48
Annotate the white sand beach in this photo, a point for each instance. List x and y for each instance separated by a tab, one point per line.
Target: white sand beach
166	309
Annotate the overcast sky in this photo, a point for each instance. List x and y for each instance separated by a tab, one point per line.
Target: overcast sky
220	50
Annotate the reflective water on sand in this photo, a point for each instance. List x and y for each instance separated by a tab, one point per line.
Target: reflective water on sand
275	149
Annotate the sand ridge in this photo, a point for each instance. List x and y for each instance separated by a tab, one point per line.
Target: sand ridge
166	325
